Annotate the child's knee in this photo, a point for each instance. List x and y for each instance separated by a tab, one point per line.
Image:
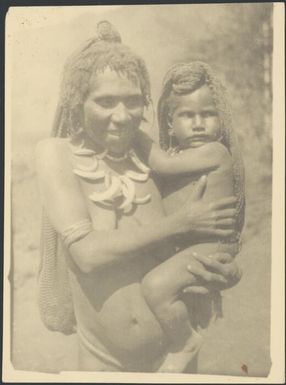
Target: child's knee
153	288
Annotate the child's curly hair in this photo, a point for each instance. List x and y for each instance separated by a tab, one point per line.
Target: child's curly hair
185	78
104	50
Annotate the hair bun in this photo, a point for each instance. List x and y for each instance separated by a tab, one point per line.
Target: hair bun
107	32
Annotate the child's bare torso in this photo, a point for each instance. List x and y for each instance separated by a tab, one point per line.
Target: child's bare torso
177	189
220	183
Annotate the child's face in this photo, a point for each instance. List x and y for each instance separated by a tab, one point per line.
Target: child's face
195	120
113	111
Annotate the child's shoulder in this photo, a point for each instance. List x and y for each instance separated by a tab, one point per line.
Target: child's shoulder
217	148
210	149
216	152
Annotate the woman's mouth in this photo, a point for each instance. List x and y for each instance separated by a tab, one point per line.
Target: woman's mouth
117	134
120	137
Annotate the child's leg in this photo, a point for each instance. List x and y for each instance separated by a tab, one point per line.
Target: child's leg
162	289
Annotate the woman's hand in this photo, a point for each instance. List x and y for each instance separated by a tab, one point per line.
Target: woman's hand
223	264
200	218
217	272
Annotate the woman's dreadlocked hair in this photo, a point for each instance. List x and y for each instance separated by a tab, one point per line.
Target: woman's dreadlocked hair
185	78
104	50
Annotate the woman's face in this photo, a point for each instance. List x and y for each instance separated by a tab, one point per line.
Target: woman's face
113	111
195	119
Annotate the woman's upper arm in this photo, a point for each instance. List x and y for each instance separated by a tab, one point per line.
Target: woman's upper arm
60	190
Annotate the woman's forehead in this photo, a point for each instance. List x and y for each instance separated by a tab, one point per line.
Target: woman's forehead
109	81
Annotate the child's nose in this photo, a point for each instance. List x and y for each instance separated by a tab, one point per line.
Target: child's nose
198	123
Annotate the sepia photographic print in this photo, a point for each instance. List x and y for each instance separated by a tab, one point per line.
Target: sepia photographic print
144	193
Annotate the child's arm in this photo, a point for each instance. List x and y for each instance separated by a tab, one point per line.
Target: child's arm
193	160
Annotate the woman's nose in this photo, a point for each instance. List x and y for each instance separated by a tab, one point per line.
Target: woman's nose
120	114
198	123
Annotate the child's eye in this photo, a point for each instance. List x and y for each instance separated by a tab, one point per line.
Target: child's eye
209	113
187	115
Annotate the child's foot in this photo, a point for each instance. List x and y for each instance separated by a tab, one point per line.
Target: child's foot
177	362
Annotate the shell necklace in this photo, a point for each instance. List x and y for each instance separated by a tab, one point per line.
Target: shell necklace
116	186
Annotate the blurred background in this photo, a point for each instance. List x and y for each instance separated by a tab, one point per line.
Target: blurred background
236	40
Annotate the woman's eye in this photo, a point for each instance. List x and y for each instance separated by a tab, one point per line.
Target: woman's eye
134	102
107	102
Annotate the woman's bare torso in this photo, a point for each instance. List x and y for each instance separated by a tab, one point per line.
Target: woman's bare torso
109	306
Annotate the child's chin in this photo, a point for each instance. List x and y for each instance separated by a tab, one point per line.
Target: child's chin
196	144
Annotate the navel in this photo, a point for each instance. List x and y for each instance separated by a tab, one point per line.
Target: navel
134	321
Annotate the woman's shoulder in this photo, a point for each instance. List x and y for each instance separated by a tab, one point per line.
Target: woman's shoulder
52	147
52	152
52	144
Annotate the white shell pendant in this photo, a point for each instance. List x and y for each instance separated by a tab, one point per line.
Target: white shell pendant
113	189
143	199
89	174
137	176
128	190
92	167
83	152
138	163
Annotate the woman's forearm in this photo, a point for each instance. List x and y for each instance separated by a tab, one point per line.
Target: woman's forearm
101	248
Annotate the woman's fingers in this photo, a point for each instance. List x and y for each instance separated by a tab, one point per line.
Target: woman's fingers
226	213
222	257
224	233
205	275
226	267
225	203
211	263
226	223
196	290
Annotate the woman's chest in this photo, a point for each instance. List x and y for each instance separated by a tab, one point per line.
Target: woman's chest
117	201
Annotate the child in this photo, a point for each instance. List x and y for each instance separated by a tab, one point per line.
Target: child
195	128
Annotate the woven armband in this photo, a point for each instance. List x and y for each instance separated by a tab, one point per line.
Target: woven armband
76	232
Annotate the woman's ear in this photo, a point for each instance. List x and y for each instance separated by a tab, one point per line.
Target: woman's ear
171	131
169	121
77	118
